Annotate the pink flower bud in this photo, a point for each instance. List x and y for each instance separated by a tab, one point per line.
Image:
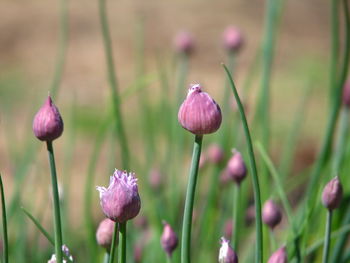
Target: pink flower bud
169	239
155	179
280	256
184	43
199	113
138	253
104	233
346	94
48	124
215	154
226	254
271	214
120	202
332	194
250	215
232	39
236	167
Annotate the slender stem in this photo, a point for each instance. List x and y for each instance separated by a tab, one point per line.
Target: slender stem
273	242
334	47
256	187
327	237
235	231
191	187
114	244
168	259
56	204
123	242
106	257
4	223
113	85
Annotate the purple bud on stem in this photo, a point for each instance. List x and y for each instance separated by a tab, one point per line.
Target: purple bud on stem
184	43
226	254
199	113
271	214
232	39
104	233
169	239
236	167
332	194
280	256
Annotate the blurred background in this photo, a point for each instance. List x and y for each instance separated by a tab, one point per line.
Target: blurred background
142	34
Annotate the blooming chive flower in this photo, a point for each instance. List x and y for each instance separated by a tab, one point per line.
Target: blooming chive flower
104	233
280	256
47	123
226	254
271	214
184	43
232	39
332	194
169	239
120	202
236	167
199	113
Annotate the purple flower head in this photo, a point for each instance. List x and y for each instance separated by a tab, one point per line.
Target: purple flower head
47	123
236	167
199	113
271	214
104	233
120	202
226	254
169	239
232	39
332	194
184	43
280	256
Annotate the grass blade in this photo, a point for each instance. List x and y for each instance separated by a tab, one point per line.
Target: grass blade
4	222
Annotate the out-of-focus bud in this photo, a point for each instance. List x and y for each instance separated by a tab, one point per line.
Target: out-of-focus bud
232	39
236	167
184	43
250	215
120	202
332	194
280	256
346	94
271	214
155	179
215	154
47	123
226	254
104	233
199	113
138	253
169	239
141	222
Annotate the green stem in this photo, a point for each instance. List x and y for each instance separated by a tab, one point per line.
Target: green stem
106	258
123	242
113	85
4	223
114	244
168	259
191	187
327	240
63	40
56	203
256	188
273	242
334	47
235	217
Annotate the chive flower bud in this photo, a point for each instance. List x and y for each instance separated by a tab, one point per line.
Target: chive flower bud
169	239
236	167
47	123
104	233
199	113
226	254
346	94
279	256
271	214
215	154
232	39
184	43
332	194
120	202
155	179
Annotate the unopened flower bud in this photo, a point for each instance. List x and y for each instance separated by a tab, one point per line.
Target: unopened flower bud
199	113
169	239
346	94
155	179
280	256
232	39
271	214
138	253
104	233
332	194
184	43
120	202
250	215
226	254
236	167
215	154
47	123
